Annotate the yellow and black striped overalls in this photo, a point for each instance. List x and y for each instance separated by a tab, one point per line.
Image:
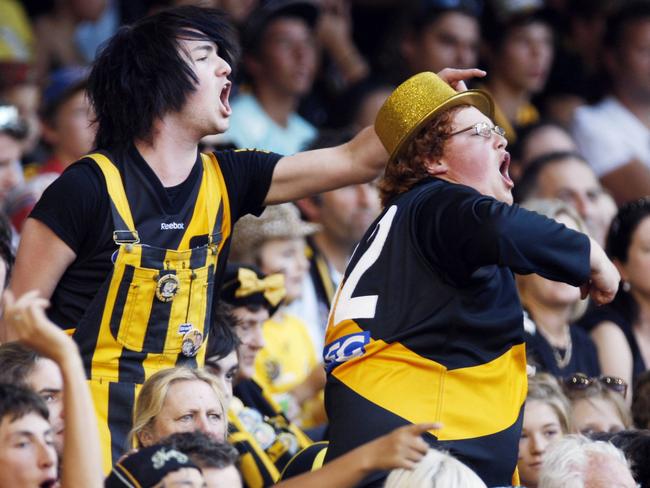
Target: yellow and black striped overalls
153	311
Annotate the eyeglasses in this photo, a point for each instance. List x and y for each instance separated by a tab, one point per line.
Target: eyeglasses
580	381
482	129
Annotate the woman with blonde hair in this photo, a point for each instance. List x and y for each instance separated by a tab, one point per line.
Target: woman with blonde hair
552	344
546	420
178	400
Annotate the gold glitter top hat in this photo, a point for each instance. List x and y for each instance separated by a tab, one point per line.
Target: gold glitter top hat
415	102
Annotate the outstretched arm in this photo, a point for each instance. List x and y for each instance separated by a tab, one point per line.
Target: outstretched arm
81	450
358	161
402	448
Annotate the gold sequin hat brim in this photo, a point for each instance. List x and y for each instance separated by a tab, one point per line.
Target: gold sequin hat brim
416	101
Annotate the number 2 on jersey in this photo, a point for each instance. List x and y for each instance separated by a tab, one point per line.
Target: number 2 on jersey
363	307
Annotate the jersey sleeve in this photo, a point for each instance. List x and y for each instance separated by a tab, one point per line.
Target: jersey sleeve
70	206
459	230
248	174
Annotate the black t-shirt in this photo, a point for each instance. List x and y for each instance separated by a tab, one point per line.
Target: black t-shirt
76	208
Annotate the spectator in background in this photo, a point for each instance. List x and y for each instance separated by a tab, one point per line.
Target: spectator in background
25	317
518	51
614	135
546	420
435	34
566	176
535	141
343	215
21	366
18	87
576	76
288	366
553	345
253	297
13	130
178	399
155	467
68	134
27	454
597	403
621	329
578	461
280	59
55	31
67	118
216	460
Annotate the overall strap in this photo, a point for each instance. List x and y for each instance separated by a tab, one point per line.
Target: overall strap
124	231
217	212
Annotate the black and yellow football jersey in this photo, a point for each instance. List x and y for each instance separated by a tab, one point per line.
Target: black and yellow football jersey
426	325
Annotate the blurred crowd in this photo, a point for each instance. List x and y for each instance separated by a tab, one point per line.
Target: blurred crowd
571	84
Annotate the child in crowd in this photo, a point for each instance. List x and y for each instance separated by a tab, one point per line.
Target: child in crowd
265	438
287	366
546	419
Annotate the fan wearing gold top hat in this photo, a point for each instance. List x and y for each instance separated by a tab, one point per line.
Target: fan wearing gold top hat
426	325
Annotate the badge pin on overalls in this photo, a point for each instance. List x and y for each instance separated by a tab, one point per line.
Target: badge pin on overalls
167	287
192	343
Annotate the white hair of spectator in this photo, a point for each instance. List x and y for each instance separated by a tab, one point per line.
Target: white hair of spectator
435	470
566	462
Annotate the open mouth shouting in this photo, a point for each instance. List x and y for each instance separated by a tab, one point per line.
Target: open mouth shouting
504	166
224	98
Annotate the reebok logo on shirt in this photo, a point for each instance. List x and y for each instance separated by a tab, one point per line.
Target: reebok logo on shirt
172	226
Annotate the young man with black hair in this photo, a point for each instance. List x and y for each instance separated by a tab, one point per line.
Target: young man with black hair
130	243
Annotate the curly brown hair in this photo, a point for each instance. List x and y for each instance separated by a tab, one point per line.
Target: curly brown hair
410	168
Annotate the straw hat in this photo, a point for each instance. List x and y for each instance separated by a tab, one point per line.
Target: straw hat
276	222
415	102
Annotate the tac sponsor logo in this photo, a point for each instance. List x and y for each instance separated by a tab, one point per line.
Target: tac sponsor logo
344	349
172	226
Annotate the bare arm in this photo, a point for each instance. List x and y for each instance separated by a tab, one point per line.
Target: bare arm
614	354
26	317
358	161
402	448
41	261
628	182
311	172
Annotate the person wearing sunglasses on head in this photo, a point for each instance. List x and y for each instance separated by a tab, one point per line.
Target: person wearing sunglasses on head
426	320
597	403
